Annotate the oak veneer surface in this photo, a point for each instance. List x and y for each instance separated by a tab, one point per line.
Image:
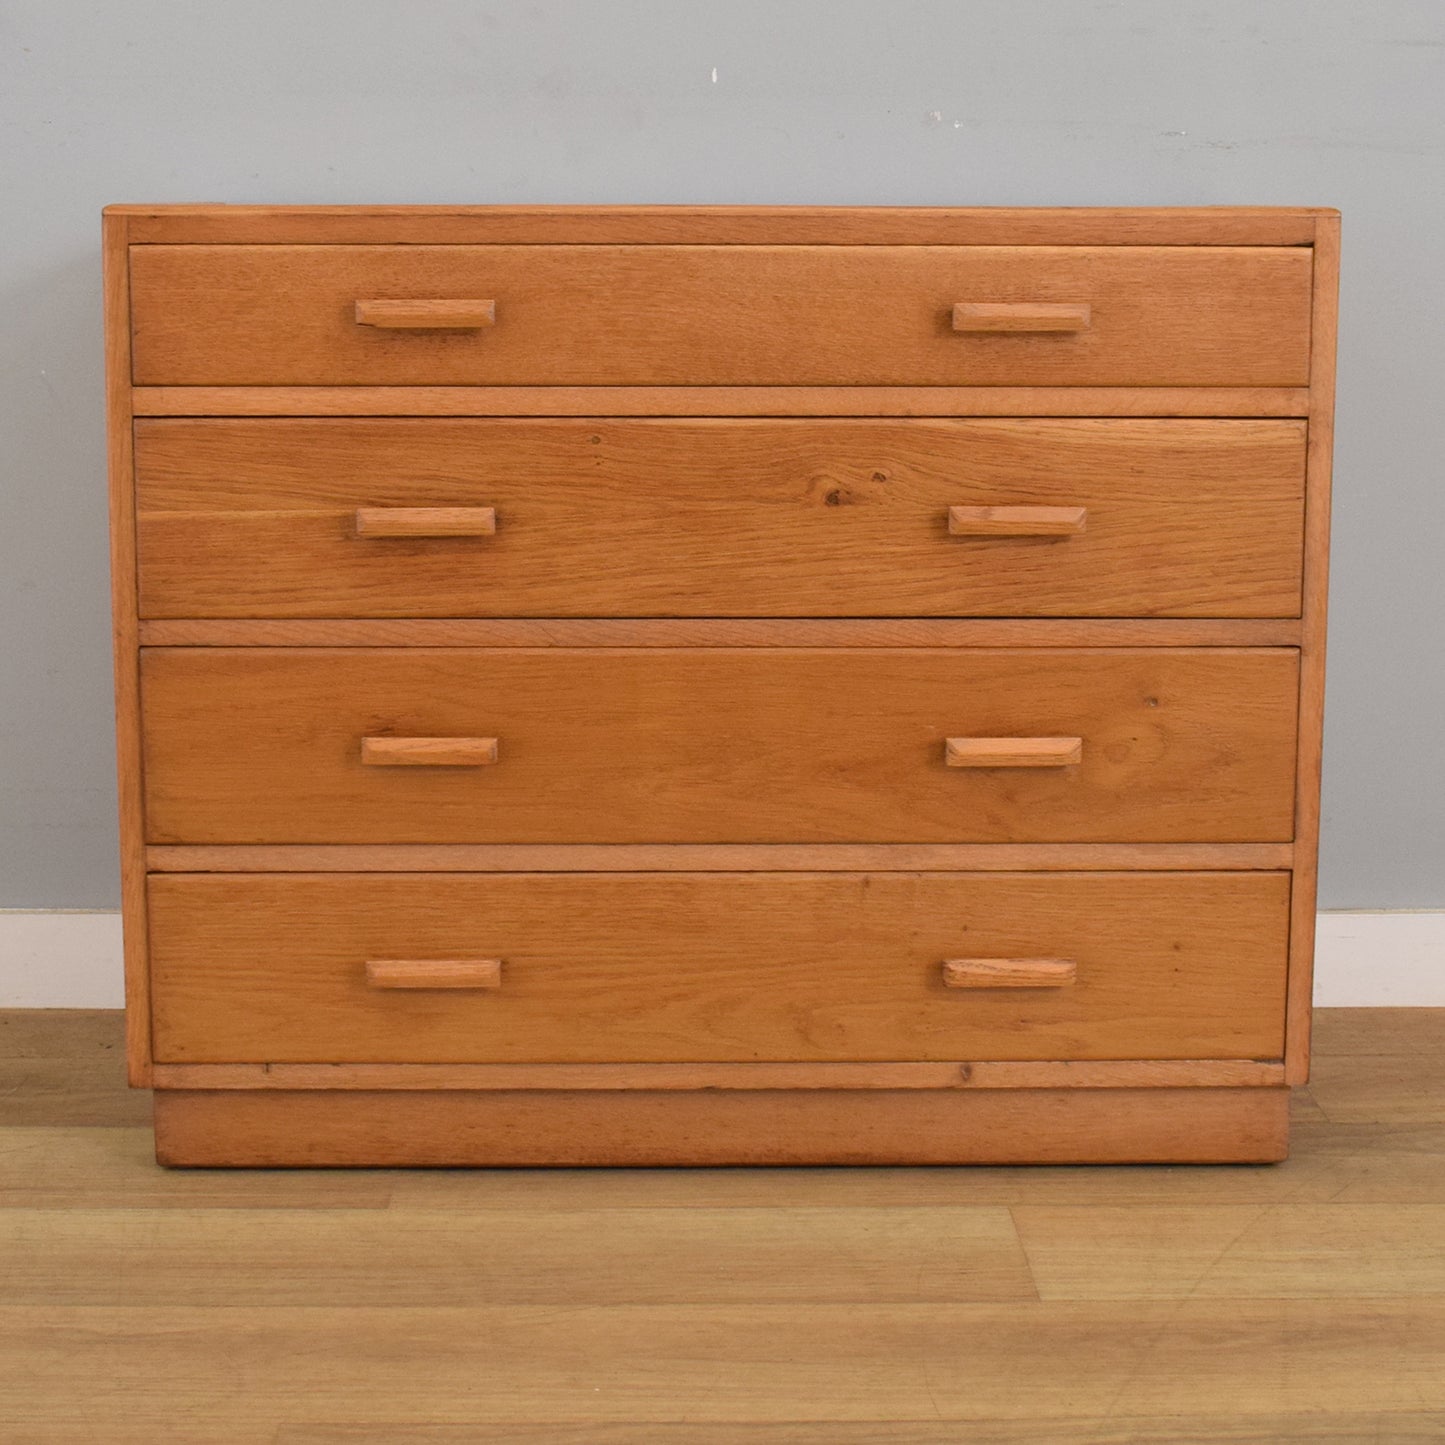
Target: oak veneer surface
263	745
129	740
565	1080
706	1127
1312	651
722	632
710	857
728	225
725	401
747	522
601	517
732	315
717	966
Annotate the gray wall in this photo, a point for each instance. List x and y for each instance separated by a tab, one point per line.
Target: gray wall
1016	102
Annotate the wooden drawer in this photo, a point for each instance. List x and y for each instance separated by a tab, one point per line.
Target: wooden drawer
268	745
606	517
715	967
720	315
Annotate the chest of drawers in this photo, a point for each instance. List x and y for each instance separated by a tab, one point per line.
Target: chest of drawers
718	686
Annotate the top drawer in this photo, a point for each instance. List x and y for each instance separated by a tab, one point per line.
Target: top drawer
721	315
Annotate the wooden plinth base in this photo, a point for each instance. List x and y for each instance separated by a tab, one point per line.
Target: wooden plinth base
317	1128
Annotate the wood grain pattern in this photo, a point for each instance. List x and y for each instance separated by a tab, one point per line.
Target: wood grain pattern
449	752
260	745
717	967
124	610
721	632
1019	316
114	1169
1017	521
278	1259
729	225
1387	1090
1013	752
1238	1251
411	522
270	1129
711	857
769	518
1010	972
806	1307
1299	1427
989	1074
1210	1371
65	1066
1396	1158
1347	1033
726	401
423	315
430	973
1312	656
761	538
686	1076
720	315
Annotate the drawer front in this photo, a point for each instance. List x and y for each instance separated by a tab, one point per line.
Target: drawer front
709	967
564	745
720	315
634	518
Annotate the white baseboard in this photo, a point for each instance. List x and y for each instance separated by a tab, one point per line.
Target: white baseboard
1377	960
60	958
64	959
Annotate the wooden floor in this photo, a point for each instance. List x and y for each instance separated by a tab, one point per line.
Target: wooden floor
1294	1302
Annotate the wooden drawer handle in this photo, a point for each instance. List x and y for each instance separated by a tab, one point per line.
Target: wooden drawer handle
426	521
1009	972
1019	316
1013	752
428	752
434	972
427	315
1016	521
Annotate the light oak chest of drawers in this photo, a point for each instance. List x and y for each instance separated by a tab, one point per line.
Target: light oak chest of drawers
719	686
